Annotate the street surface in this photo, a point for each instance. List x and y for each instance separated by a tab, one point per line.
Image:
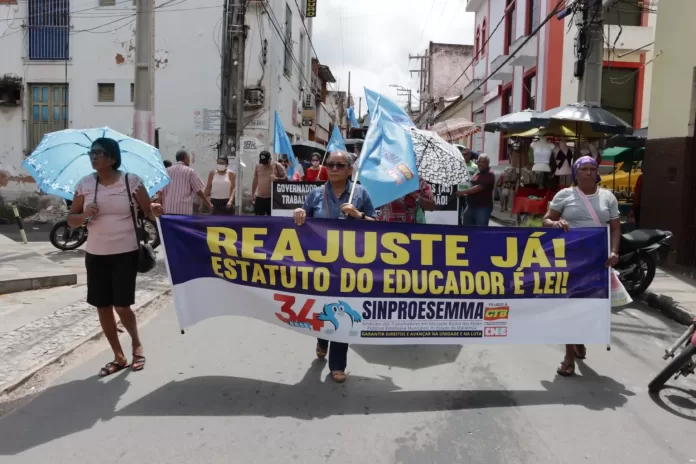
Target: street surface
239	390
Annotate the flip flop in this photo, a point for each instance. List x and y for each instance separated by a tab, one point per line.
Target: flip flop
566	369
338	376
111	368
138	363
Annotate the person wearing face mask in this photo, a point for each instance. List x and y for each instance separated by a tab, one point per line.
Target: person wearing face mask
221	187
316	172
265	173
479	197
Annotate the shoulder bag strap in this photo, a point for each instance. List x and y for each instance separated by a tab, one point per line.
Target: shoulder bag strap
589	207
132	211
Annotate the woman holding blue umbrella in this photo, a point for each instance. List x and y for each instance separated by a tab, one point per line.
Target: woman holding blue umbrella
104	201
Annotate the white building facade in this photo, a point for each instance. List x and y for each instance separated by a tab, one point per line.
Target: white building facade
69	63
540	74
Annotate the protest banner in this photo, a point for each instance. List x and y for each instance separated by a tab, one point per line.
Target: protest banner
384	283
287	196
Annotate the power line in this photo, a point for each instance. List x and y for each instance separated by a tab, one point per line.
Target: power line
454	16
427	20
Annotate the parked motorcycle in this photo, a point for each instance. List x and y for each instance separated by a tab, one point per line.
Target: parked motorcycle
65	238
636	266
683	364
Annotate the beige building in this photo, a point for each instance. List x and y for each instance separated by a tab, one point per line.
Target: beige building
669	182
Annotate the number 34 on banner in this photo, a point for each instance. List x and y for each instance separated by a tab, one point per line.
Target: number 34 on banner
289	317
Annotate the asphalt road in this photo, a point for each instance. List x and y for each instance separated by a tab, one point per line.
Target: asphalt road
237	390
36	232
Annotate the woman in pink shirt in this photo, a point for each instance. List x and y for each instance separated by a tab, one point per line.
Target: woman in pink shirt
102	202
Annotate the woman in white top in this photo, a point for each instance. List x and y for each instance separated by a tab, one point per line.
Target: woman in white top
220	188
584	205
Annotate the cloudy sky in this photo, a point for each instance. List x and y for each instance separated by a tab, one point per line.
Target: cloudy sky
373	38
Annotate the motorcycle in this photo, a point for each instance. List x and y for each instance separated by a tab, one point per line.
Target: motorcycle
683	364
66	238
636	266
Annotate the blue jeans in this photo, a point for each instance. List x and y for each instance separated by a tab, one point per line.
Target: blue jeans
477	216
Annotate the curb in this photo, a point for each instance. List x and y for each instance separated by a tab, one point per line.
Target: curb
37	283
94	335
668	306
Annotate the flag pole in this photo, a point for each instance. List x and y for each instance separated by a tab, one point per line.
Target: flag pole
370	129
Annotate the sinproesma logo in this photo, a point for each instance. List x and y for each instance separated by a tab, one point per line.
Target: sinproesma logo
496	313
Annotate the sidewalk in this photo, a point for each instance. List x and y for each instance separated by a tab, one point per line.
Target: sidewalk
38	327
504	219
22	268
673	294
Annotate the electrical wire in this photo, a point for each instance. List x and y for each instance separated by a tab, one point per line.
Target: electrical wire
454	16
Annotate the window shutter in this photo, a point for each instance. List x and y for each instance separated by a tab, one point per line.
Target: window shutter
106	93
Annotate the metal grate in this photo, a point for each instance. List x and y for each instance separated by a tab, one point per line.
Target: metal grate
49	29
106	93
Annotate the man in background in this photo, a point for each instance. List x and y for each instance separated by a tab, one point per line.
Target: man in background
264	174
177	195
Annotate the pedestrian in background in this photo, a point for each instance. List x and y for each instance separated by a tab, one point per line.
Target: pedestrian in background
405	209
177	195
221	188
265	173
316	172
330	201
285	162
167	164
584	205
479	197
471	168
105	202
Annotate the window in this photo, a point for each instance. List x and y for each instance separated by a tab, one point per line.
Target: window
510	26
529	92
132	87
49	27
107	2
287	66
505	108
484	38
477	43
619	92
477	138
49	111
625	13
106	93
532	15
302	55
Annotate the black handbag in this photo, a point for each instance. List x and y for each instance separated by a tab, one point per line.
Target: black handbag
146	255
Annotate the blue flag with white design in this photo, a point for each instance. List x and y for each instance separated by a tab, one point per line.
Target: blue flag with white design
282	146
387	162
336	141
352	119
390	110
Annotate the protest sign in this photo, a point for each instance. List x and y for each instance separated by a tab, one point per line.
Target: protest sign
385	283
446	206
287	196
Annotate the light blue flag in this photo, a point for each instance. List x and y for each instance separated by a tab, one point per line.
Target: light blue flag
387	161
336	142
390	110
351	117
282	146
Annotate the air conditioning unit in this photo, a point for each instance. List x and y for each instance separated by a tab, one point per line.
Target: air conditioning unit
308	101
254	97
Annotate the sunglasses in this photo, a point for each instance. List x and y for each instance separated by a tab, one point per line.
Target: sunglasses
336	165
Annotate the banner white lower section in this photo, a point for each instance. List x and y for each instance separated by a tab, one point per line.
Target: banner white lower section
401	321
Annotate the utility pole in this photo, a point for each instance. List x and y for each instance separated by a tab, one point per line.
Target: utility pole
144	98
422	72
232	113
401	91
350	103
359	106
590	51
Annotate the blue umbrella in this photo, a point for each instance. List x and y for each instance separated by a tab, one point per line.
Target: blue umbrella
62	159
